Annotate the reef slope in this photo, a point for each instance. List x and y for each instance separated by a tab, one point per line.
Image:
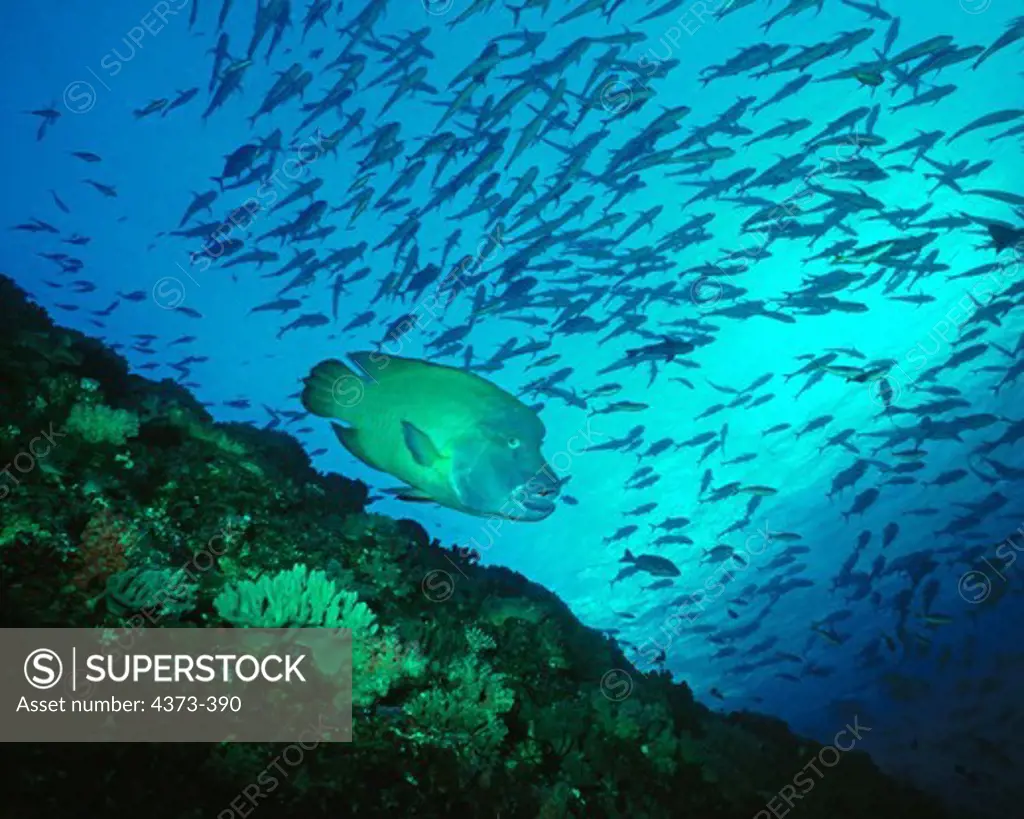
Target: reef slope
477	693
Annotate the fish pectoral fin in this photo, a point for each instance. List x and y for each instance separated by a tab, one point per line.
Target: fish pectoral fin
349	438
409	493
419	444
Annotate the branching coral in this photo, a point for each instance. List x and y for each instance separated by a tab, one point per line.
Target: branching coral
464	711
479	640
100	424
380	664
378	546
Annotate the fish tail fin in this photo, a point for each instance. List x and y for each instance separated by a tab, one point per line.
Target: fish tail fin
516	11
627	557
330	389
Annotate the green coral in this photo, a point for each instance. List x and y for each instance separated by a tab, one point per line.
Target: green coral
381	663
300	598
377	549
479	640
217	437
100	424
498	610
13	527
464	710
383	573
663	750
165	592
293	598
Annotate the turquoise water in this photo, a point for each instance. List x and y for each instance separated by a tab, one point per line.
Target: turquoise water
921	647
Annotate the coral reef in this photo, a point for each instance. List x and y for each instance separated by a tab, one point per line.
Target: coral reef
97	424
121	496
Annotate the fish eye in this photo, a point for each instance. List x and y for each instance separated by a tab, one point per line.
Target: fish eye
513	442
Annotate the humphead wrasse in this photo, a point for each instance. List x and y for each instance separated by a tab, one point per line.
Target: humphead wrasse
453	437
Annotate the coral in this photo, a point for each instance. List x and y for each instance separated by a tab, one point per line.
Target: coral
298	597
218	438
662	748
292	598
379	664
463	710
100	424
102	550
498	610
372	527
379	546
158	592
479	641
383	573
558	801
14	527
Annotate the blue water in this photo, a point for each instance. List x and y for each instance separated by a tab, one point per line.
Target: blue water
934	695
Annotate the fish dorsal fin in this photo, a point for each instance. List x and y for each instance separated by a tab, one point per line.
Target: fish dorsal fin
373	363
419	444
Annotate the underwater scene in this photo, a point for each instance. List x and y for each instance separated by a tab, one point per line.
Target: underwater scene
638	381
